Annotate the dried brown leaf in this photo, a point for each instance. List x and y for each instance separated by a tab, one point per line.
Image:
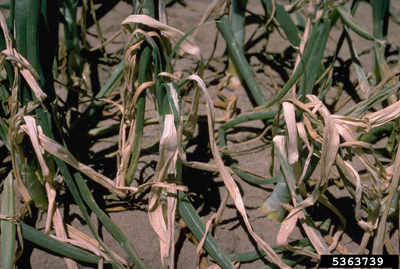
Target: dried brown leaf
226	175
63	154
290	118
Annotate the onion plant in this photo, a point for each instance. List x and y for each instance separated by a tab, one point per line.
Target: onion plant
32	157
298	155
239	30
306	133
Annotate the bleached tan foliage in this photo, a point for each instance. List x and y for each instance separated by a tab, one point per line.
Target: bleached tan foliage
336	136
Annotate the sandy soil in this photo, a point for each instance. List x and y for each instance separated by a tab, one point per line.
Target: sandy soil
231	234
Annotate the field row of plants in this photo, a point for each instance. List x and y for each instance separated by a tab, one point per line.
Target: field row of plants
45	137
